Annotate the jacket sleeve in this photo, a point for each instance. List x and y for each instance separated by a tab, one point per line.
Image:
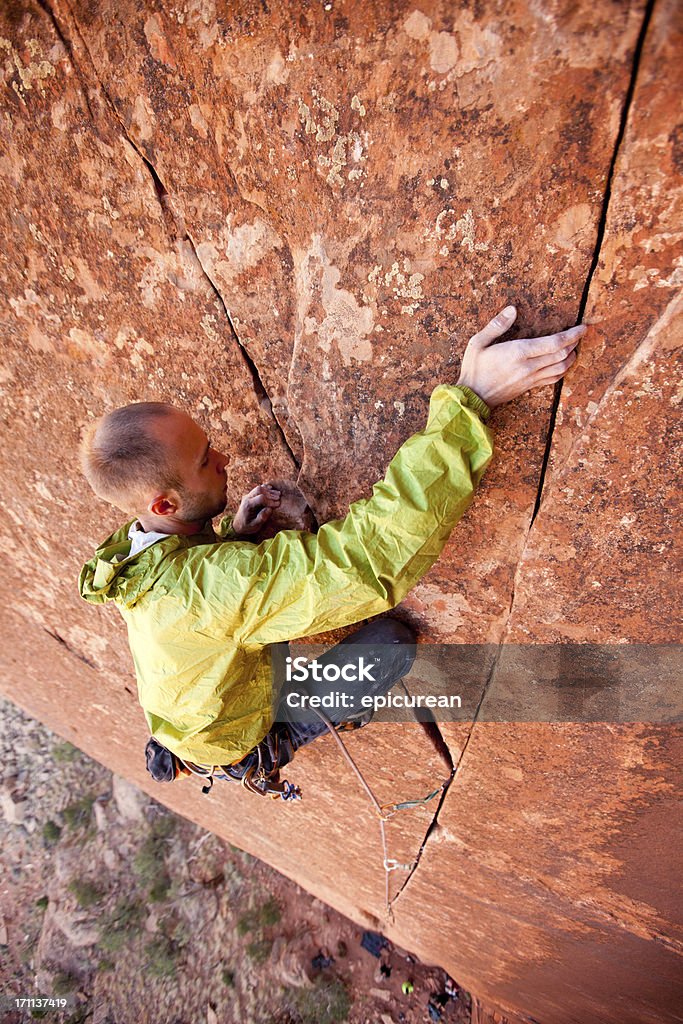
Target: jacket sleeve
298	584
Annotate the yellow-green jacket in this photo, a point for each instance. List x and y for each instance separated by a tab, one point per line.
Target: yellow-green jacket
201	611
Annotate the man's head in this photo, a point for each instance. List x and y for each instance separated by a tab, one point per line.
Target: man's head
154	461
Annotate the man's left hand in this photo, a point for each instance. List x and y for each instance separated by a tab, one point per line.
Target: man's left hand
255	510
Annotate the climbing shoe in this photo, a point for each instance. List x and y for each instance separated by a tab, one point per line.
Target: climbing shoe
356	721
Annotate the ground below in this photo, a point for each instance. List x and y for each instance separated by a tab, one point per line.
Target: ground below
128	913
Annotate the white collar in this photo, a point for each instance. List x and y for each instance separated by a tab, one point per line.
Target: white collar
141	539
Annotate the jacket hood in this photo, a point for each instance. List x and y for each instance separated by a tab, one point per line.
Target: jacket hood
113	575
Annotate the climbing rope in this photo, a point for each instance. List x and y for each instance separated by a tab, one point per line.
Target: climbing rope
258	780
384	811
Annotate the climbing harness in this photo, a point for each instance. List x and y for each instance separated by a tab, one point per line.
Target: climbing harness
256	777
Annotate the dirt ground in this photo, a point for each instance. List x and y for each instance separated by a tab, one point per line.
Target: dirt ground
128	914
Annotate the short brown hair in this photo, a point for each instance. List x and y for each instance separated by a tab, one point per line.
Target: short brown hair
122	461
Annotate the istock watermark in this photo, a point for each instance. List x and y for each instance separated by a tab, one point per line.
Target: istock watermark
556	682
341	699
363	688
300	670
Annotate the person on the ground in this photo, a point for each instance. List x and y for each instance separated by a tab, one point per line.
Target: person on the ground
208	610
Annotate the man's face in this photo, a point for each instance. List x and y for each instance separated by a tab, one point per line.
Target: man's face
199	466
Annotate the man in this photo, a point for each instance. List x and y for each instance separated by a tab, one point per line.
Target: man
205	611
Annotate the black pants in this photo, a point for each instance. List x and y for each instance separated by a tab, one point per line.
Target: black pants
387	644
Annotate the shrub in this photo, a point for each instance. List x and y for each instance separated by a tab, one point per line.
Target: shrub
86	893
326	1003
260	917
161	956
121	926
270	913
115	940
64	752
159	889
164	826
51	832
148	862
78	814
64	982
259	950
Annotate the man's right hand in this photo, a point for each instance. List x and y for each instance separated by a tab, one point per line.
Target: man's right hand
499	373
255	510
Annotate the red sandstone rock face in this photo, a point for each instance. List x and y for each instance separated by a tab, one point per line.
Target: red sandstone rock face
103	302
361	188
583	895
610	501
553	839
365	187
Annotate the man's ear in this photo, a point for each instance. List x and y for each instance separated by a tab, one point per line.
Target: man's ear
164	505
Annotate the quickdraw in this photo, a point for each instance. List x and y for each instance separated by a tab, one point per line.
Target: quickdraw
389	810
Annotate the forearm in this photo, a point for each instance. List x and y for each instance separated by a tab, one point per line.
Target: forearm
428	486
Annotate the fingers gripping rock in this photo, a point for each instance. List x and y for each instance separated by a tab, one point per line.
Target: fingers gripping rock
293	512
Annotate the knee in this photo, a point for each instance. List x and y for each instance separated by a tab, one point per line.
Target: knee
391	631
388	633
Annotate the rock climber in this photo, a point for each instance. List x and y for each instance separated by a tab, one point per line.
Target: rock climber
209	612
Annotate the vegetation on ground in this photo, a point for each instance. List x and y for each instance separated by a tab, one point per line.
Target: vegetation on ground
149	865
78	814
51	832
161	955
87	893
327	1002
122	924
64	753
258	918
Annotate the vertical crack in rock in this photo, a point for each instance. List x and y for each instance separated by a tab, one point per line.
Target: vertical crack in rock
626	108
173	223
454	770
66	43
625	111
645	350
430	828
436	738
257	383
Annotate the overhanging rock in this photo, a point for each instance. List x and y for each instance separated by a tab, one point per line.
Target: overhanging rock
289	222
